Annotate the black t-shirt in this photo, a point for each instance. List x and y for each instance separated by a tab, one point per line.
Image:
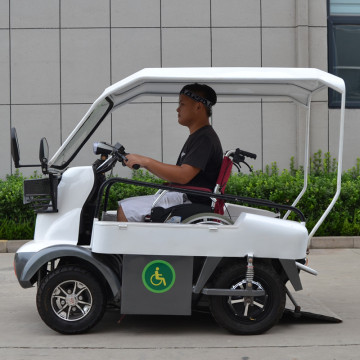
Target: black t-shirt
202	150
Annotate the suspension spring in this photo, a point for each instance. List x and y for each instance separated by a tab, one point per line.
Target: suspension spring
250	272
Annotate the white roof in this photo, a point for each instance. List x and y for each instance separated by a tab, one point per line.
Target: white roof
295	83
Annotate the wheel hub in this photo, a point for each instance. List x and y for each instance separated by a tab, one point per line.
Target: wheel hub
247	306
71	300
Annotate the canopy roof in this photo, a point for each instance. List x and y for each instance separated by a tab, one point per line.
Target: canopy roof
295	83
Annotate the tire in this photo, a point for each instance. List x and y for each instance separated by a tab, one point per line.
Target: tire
265	311
70	300
208	218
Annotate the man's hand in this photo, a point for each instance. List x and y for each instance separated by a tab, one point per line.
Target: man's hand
133	159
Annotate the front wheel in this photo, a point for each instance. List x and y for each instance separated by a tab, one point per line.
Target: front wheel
70	300
248	315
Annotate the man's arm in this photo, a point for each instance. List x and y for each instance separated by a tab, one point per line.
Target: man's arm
171	173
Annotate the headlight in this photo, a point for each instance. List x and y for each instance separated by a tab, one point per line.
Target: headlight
102	148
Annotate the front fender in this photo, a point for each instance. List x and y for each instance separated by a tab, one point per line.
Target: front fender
27	264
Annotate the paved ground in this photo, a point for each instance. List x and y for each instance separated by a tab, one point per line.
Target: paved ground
24	336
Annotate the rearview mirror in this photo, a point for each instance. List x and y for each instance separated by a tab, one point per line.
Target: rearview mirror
44	154
15	152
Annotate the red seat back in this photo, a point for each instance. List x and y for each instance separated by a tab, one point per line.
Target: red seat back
224	174
223	177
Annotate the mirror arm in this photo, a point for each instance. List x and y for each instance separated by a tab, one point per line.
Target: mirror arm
22	166
44	167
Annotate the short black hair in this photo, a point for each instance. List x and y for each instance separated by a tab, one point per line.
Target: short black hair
203	91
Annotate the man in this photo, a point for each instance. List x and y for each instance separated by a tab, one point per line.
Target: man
199	161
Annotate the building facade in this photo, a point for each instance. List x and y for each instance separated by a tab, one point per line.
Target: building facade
57	56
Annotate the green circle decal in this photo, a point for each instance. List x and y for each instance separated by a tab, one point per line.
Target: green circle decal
158	276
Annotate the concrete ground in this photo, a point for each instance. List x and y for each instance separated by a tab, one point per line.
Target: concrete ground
23	335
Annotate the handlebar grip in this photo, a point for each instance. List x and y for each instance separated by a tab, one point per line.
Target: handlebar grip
124	159
247	154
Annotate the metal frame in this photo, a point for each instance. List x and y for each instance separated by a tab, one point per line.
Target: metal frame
294	83
105	187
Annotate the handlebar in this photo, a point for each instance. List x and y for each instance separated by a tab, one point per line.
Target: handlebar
238	156
246	153
116	152
122	156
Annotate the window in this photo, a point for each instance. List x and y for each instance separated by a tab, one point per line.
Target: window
344	49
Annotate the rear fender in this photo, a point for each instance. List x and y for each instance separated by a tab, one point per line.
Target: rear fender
292	273
28	264
211	264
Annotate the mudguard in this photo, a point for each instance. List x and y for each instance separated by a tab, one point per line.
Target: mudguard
292	273
28	263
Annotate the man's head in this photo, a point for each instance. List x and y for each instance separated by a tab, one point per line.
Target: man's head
201	93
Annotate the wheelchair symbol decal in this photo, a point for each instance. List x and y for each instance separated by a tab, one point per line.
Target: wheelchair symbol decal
158	276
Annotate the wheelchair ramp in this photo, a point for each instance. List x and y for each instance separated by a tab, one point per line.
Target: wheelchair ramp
309	309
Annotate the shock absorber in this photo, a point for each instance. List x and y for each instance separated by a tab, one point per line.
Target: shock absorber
249	300
250	271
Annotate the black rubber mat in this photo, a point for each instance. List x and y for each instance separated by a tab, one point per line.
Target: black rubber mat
309	308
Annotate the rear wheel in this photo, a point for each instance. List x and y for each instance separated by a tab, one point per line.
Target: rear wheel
70	300
208	219
248	315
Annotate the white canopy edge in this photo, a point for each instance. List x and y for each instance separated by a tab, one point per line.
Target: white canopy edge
295	83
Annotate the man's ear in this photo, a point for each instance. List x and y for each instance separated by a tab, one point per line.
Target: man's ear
199	106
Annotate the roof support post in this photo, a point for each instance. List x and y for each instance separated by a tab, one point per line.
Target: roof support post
306	156
339	170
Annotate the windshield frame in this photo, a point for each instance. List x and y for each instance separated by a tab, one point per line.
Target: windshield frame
79	137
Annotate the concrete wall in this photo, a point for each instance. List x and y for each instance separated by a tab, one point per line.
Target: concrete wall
57	56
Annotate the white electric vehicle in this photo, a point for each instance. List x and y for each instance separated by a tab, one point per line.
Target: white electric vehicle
234	258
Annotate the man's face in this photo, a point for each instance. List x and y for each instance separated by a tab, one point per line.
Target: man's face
186	110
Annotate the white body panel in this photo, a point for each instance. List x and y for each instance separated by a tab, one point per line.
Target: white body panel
260	235
35	246
74	188
234	211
